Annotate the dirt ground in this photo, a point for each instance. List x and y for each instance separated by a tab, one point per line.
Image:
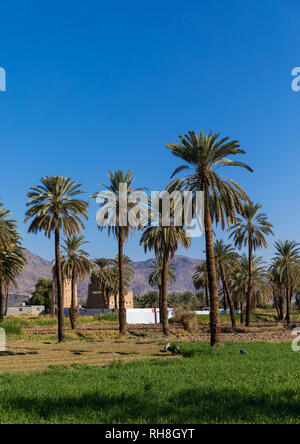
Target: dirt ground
39	349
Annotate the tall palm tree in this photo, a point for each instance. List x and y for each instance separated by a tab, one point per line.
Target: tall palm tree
222	196
118	199
286	267
102	274
251	231
200	280
165	242
155	277
55	208
76	265
226	259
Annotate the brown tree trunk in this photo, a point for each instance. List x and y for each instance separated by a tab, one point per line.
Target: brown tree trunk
160	304
165	314
60	296
215	324
249	292
276	303
122	305
1	301
229	298
206	296
280	304
288	305
106	301
6	301
74	309
242	313
224	300
52	310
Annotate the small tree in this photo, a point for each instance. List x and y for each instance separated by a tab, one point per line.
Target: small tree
42	294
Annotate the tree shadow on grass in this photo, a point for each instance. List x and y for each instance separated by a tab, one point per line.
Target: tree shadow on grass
10	353
186	407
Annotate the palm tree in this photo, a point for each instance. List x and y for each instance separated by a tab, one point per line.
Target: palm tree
200	280
222	197
9	237
155	277
251	232
165	242
278	293
12	257
76	265
54	208
286	267
12	265
102	274
119	199
226	259
239	279
129	271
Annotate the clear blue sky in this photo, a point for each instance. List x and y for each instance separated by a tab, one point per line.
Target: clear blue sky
94	85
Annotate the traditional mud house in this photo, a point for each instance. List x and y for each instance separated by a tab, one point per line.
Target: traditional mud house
96	299
67	292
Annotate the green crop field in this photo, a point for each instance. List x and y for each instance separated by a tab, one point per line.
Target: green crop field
202	385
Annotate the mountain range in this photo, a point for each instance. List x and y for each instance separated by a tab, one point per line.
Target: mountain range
41	268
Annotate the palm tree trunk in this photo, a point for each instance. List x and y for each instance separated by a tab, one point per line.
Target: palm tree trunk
288	305
122	305
60	296
6	301
165	314
206	296
215	324
1	301
104	293
52	311
249	292
276	303
242	313
73	310
224	299
160	304
281	303
229	298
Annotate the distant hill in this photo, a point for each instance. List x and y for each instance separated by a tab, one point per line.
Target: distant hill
41	268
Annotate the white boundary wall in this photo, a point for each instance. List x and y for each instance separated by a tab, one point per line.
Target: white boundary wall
140	315
145	315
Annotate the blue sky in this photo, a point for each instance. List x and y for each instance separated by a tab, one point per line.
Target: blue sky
95	85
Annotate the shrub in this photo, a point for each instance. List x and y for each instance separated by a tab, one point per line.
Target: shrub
12	327
111	317
186	318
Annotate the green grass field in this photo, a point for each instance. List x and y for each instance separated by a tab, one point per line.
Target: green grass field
203	386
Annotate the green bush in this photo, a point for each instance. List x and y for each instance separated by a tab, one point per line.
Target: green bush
111	317
12	327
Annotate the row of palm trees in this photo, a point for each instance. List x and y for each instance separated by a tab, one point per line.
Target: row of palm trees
280	281
55	208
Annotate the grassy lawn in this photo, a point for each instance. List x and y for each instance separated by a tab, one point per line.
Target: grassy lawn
200	386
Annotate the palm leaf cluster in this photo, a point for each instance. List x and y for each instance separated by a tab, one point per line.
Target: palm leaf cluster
12	257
